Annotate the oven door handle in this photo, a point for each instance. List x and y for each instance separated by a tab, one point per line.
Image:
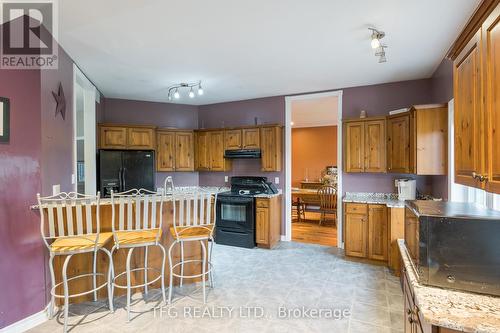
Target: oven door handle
235	200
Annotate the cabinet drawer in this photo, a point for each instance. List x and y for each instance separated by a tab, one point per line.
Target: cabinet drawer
356	208
262	203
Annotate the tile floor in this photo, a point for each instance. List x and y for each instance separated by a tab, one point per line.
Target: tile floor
352	297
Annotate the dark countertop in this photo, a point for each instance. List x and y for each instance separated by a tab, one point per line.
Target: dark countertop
451	210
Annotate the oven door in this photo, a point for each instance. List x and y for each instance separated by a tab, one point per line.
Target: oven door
235	212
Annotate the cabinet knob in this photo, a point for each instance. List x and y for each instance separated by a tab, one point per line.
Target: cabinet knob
479	177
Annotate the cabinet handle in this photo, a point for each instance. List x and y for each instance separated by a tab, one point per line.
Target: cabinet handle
479	177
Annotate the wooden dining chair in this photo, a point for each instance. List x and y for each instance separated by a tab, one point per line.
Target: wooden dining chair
298	210
328	202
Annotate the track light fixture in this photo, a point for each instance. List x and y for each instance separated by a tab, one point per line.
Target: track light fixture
377	45
173	91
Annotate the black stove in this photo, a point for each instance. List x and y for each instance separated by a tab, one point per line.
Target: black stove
235	223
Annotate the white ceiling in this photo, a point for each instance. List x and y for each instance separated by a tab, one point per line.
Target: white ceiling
322	111
247	49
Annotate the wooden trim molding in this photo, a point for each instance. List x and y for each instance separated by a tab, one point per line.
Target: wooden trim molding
472	26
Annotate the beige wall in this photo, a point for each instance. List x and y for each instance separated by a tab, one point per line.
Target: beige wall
313	148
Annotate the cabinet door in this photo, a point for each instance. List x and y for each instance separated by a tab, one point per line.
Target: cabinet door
354	147
356	235
398	144
202	151
375	142
271	145
165	151
217	161
232	139
491	49
251	138
140	138
377	232
184	151
469	143
113	137
262	225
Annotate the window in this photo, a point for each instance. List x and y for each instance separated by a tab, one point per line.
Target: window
460	193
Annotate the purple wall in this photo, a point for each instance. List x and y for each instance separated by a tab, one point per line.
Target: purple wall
57	134
121	111
22	259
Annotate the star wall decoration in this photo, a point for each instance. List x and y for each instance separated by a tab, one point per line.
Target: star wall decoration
61	102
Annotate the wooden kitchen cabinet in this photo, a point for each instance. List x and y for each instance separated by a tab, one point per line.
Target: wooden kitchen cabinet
271	139
366	231
232	139
216	151
126	137
251	138
202	156
377	232
113	137
268	221
175	151
365	145
417	140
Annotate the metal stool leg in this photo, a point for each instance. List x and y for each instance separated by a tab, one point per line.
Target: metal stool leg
203	270
146	270
53	279
163	273
129	256
66	292
210	251
170	285
94	277
110	279
182	262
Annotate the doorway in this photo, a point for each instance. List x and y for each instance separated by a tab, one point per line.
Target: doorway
313	136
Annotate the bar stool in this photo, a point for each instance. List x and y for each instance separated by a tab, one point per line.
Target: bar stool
137	223
73	227
193	221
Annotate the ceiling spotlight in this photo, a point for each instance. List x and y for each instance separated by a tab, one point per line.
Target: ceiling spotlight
191	93
176	94
200	89
376	37
382	58
174	91
380	50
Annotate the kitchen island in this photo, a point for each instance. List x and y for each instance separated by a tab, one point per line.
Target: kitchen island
82	263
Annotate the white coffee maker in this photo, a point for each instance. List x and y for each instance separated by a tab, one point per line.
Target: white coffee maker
407	189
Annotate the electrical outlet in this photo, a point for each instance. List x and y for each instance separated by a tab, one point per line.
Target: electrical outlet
56	189
226	179
276	180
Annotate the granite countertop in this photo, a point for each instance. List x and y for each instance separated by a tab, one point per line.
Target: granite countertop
272	195
457	310
388	199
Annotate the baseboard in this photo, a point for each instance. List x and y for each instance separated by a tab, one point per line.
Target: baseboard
27	323
283	238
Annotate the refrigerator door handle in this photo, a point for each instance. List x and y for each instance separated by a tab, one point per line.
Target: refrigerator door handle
120	177
123	177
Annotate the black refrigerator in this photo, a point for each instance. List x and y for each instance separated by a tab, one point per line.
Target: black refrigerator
123	170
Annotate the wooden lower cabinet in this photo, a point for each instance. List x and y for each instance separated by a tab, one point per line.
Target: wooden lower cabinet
366	231
268	221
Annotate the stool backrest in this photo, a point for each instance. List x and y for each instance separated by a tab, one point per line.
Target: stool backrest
328	197
69	214
136	210
194	210
168	186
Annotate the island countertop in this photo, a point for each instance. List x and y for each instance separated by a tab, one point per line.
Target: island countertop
457	310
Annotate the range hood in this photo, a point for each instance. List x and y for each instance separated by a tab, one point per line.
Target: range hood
243	153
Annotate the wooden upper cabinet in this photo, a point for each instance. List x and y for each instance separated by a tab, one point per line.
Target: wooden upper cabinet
272	148
375	146
202	151
184	151
216	150
398	143
354	146
113	137
491	56
251	138
165	151
232	139
469	142
140	138
377	232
